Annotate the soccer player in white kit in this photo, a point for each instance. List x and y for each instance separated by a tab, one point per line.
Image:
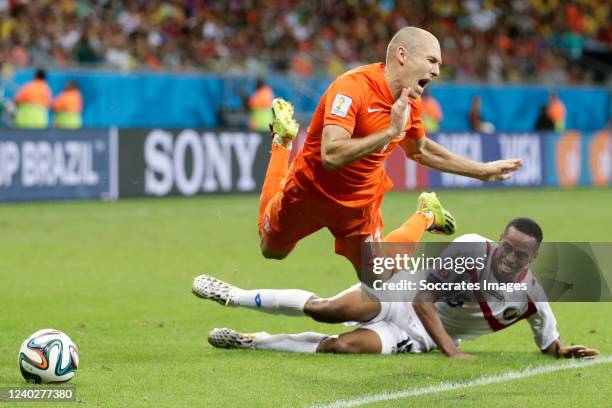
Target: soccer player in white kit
435	319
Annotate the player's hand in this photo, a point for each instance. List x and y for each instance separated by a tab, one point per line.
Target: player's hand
500	169
577	352
462	356
399	113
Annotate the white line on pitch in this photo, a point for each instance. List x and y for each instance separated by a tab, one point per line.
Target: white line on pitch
485	380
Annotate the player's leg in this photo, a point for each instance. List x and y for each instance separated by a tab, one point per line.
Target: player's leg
270	226
430	216
412	230
379	336
288	302
289	217
360	341
284	130
276	172
297	343
352	304
357	341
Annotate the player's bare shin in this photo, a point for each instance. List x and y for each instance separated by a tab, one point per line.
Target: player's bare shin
347	306
360	341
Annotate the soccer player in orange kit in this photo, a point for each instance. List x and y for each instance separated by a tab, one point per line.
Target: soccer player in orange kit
338	180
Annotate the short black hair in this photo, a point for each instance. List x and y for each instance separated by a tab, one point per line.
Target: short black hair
41	74
527	226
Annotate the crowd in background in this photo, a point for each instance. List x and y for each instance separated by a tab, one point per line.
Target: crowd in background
519	40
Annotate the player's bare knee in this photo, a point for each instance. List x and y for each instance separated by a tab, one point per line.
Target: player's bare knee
273	255
270	254
324	310
338	345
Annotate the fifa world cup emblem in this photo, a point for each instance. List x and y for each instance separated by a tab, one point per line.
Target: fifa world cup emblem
340	104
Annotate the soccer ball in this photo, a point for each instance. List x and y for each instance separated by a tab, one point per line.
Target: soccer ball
48	356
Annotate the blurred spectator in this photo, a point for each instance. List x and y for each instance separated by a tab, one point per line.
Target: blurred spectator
475	117
85	52
33	100
556	111
432	112
259	104
491	40
543	122
68	107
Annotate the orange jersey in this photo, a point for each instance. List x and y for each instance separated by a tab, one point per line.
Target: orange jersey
432	108
69	101
556	111
35	92
262	98
359	101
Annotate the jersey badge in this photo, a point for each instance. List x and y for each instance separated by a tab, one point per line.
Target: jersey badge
341	105
511	313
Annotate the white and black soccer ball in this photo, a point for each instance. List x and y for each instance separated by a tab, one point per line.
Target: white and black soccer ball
48	356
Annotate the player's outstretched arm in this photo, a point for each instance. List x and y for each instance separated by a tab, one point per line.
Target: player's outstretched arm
339	149
424	307
431	154
558	350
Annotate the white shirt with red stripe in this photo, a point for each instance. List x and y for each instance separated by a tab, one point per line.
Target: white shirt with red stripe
482	312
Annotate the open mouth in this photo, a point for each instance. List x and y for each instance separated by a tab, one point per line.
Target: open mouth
423	82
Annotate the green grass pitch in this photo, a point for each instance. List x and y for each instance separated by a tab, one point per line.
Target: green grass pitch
116	277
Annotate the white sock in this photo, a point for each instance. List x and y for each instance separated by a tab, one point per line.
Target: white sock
298	343
289	302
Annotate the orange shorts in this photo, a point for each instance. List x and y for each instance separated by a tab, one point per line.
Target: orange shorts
294	213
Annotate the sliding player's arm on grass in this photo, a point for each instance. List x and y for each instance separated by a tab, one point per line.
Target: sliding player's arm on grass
557	349
426	310
431	154
544	328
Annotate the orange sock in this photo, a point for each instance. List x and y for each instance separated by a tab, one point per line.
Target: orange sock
412	230
277	170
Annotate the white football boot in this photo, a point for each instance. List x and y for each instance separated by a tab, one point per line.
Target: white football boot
228	338
209	287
